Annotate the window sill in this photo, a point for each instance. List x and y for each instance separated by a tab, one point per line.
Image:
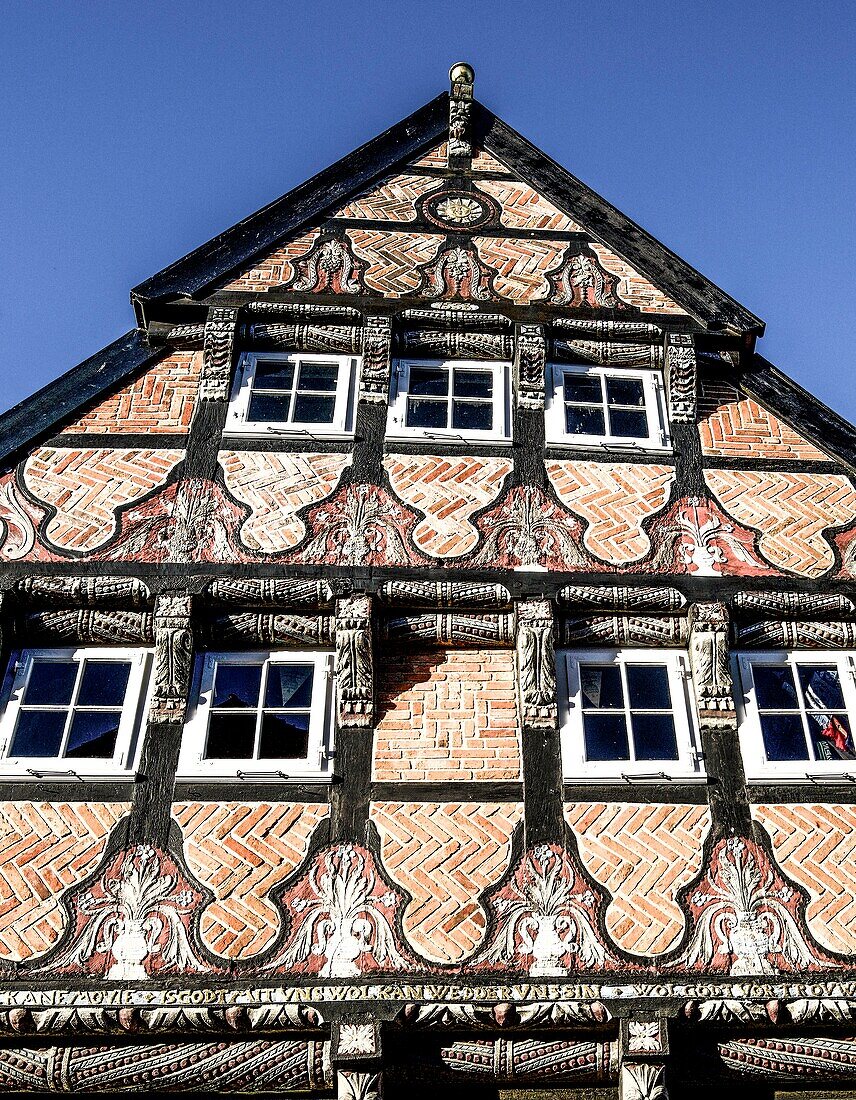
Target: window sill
266	776
262	431
600	445
643	779
64	775
451	440
805	779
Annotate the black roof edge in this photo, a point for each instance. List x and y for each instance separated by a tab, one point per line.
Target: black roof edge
800	409
194	273
649	256
36	415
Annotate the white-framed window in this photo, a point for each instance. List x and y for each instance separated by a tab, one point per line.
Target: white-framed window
605	406
293	393
260	714
72	711
449	399
796	714
626	715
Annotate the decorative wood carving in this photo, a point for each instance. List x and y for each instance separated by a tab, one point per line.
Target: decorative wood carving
173	661
449	628
217	354
88	626
443	594
517	1060
450	316
644	1038
455	344
267	592
681	377
457	271
329	266
814	1058
504	1014
642	1081
304	337
182	336
177	1014
606	351
355	662
831	634
530	364
793	605
303	311
580	280
709	662
633	331
625	630
622	598
460	145
536	664
270	629
84	591
356	1039
353	1084
377	360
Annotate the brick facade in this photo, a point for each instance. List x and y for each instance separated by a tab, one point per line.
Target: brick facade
733	426
447	715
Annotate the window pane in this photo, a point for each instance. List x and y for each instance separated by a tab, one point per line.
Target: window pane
648	687
93	734
774	687
473	383
821	685
50	683
628	425
309	409
428	381
601	687
783	737
104	684
38	733
230	737
318	376
427	414
625	391
473	416
284	737
831	737
237	685
606	737
583	421
273	375
654	737
289	686
584	388
269	408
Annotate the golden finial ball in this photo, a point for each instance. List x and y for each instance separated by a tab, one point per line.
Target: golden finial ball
462	73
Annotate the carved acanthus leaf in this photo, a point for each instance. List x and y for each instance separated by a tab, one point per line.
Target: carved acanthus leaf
709	661
355	661
536	664
173	660
643	1081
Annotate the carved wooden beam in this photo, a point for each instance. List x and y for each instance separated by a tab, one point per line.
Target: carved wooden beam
456	319
454	344
793	605
443	594
530	365
265	592
449	628
536	664
84	591
87	626
606	351
681	373
269	629
460	145
377	360
623	598
355	662
538	1061
173	661
303	337
710	665
631	331
831	634
616	630
217	354
302	311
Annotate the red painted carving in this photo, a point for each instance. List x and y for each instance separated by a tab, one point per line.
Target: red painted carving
457	271
579	279
697	537
330	266
527	528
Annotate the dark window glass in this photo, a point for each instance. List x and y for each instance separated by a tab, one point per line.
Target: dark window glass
783	737
427	414
471	383
103	684
821	686
654	737
289	686
284	736
583	421
50	683
272	374
230	736
601	687
648	687
583	388
606	737
625	391
318	376
311	409
831	737
428	382
38	733
269	408
93	734
627	425
472	416
237	685
774	687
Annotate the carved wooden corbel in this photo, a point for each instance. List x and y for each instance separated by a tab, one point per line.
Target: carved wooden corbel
173	661
710	665
355	662
217	353
377	360
536	664
681	377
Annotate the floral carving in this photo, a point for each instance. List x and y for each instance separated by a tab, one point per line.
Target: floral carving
696	538
17	532
457	271
528	529
343	916
579	279
329	266
360	525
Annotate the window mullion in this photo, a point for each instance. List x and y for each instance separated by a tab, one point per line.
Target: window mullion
66	733
260	708
628	717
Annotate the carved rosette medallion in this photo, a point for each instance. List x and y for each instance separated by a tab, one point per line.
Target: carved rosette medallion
456	210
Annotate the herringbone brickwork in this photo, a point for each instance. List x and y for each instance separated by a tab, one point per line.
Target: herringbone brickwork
613	499
447	491
445	855
47	847
790	510
735	426
634	288
434	158
241	851
483	161
816	846
643	855
394	199
524	208
275	486
159	400
87	486
521	265
446	715
274	269
393	258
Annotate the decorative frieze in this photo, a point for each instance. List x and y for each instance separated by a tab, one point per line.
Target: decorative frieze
269	629
530	365
536	664
502	1061
217	354
631	331
450	315
619	630
268	592
607	351
439	594
622	598
557	1013
303	311
112	627
778	634
355	662
305	337
377	360
455	344
449	628
793	605
709	662
173	661
681	377
84	591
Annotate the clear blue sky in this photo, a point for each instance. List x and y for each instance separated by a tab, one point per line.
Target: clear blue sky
133	132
